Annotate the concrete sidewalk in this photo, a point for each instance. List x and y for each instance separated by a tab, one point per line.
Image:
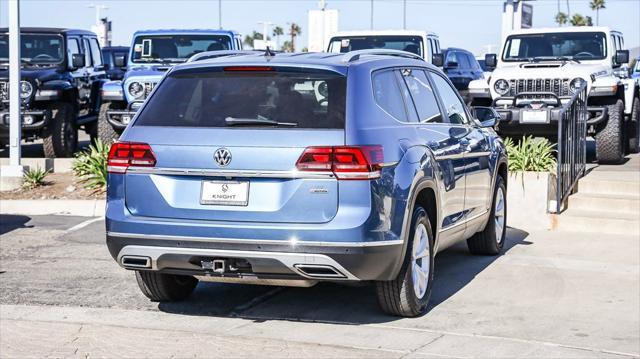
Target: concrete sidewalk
60	331
40	207
552	294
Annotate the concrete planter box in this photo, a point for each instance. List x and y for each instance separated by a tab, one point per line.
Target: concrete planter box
528	200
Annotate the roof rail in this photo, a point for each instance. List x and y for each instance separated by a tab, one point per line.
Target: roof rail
355	55
221	53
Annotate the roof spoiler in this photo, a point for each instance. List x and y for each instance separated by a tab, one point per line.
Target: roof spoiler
221	53
355	55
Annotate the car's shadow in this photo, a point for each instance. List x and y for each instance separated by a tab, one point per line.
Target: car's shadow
10	222
332	303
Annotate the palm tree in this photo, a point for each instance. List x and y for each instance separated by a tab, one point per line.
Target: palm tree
277	31
294	30
579	20
561	18
597	5
248	39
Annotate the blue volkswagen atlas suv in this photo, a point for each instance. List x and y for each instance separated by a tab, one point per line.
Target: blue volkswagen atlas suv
290	169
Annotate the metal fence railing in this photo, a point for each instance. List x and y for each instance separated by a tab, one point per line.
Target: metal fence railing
572	146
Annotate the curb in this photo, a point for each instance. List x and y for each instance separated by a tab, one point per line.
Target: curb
83	208
54	165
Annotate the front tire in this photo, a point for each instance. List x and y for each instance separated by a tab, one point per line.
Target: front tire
408	294
490	241
160	287
633	128
609	140
106	133
60	137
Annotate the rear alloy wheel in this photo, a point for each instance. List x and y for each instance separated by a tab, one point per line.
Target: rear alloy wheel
60	137
610	139
633	128
490	241
408	294
160	287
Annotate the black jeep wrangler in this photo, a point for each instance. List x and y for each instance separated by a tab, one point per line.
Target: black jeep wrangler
62	73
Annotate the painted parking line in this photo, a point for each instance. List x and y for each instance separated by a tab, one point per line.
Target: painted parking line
84	224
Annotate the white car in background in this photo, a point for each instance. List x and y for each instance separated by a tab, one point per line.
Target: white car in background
422	43
539	70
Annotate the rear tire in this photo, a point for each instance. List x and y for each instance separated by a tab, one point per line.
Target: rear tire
401	296
60	137
106	133
490	241
633	128
609	140
160	287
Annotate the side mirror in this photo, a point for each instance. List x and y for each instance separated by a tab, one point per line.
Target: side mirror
77	61
487	116
437	60
491	60
119	61
622	57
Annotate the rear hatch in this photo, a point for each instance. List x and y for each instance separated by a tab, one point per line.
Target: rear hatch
226	142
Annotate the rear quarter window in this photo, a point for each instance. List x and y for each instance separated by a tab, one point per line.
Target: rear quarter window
386	92
209	98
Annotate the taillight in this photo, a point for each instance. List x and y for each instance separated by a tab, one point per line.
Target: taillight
125	154
346	162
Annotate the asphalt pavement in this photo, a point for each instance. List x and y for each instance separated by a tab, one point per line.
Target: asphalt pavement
551	294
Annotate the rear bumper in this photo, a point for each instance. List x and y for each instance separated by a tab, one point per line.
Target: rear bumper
268	260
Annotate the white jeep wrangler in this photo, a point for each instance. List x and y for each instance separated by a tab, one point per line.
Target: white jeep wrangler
540	69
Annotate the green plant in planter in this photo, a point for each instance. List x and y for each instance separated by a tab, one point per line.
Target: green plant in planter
91	166
35	177
531	155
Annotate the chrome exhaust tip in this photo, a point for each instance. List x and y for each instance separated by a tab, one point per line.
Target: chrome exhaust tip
319	271
135	262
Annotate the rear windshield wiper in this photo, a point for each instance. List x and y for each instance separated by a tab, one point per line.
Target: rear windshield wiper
260	121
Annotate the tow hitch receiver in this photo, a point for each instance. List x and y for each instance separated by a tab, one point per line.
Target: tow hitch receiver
216	265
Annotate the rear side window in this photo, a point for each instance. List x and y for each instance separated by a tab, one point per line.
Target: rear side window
387	94
423	96
463	61
87	52
95	52
246	98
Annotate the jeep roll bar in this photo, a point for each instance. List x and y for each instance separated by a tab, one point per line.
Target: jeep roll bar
355	55
221	53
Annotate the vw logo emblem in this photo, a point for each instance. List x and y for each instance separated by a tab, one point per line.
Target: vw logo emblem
222	156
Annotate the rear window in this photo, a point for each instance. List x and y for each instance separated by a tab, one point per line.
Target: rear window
247	99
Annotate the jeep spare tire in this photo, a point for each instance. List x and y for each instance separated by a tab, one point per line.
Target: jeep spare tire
60	137
106	133
610	139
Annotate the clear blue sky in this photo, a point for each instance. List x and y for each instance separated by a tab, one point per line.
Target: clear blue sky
461	23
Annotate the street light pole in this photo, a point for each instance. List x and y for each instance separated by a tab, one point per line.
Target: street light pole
404	14
12	175
220	14
371	14
265	29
